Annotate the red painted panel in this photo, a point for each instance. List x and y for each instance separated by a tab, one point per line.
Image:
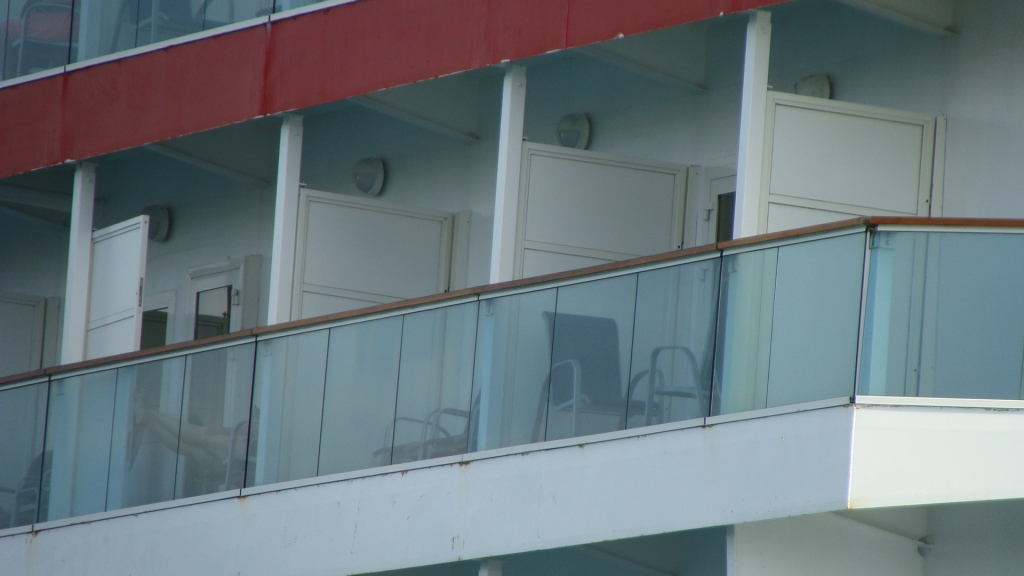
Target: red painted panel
365	46
167	93
598	20
30	124
311	59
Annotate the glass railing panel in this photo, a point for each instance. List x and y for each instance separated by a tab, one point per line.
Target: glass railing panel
22	422
103	27
288	394
673	343
144	439
788	324
5	25
223	12
77	456
285	5
38	36
944	316
513	360
215	421
435	383
359	395
591	335
744	331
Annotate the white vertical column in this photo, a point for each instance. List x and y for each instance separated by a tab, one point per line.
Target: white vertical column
76	294
490	567
752	123
286	217
506	191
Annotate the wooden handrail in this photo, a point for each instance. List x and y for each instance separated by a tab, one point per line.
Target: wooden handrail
864	222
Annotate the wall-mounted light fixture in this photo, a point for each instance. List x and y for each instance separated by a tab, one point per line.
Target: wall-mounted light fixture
368	175
574	131
159	222
817	86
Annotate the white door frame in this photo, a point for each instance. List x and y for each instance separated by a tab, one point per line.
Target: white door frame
932	156
38	305
242	274
445	271
531	149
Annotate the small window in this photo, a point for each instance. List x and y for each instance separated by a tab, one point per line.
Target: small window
154	328
213	312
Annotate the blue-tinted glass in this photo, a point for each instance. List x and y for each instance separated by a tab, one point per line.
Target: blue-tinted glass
147	415
77	456
592	338
160	20
359	396
945	316
513	356
215	421
22	420
220	12
788	324
744	331
38	36
435	383
287	406
673	343
5	6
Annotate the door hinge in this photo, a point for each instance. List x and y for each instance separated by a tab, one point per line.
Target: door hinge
141	282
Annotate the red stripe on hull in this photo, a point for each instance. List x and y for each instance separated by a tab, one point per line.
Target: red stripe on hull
310	59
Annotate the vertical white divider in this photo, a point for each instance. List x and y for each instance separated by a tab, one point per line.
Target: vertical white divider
286	217
490	567
76	295
510	158
752	124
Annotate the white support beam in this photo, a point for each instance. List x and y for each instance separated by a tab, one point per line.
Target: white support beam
212	167
286	217
411	118
76	295
490	567
510	159
642	70
752	124
35	198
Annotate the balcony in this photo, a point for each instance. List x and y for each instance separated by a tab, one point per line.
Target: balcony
872	307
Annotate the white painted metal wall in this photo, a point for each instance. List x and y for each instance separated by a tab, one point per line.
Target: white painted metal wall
575	494
213	219
820	544
972	77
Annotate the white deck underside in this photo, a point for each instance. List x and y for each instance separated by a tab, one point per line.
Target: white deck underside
728	473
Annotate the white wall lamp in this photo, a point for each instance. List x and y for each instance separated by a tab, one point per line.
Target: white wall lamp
574	131
368	176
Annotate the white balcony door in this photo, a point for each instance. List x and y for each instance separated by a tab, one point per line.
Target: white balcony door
580	208
115	288
354	252
828	161
21	333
